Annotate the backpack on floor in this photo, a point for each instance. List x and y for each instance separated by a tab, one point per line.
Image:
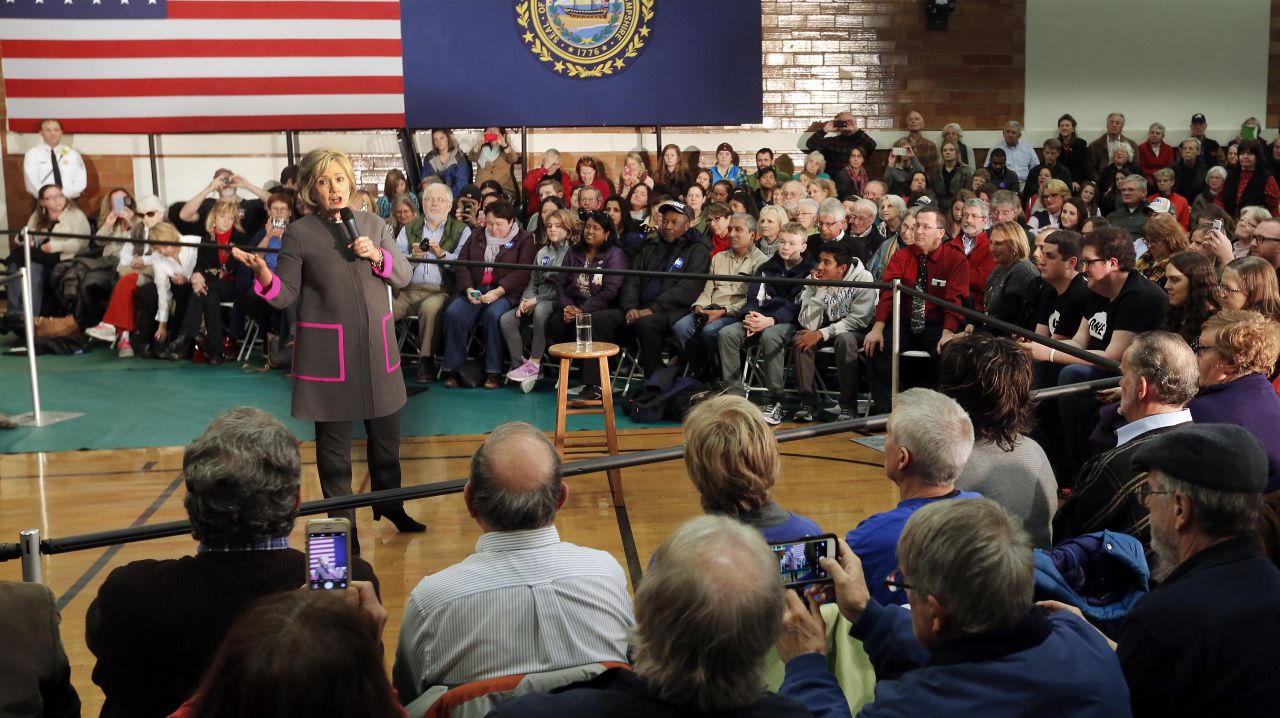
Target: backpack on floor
665	395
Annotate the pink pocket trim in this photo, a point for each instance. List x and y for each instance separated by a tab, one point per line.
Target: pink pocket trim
386	343
342	357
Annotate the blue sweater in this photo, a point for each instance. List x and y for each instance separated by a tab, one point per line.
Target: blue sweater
875	541
1046	665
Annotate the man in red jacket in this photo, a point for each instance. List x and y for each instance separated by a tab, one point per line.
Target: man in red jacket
972	243
930	265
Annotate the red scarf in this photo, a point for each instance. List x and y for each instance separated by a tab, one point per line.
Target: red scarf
224	240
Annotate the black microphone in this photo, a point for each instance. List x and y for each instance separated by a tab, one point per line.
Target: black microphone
349	221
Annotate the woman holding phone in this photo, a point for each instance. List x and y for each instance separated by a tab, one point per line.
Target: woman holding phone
346	367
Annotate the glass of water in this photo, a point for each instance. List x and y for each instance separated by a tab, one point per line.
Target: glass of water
583	322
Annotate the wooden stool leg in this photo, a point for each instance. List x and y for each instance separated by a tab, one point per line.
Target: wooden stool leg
562	405
611	432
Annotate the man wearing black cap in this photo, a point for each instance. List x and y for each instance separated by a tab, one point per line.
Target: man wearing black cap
1207	640
649	306
1210	150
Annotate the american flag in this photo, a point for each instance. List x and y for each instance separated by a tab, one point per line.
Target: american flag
166	66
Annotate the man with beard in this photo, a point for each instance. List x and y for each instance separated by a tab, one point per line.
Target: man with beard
1205	642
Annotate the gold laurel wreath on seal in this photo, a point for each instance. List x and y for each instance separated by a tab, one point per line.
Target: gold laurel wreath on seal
576	70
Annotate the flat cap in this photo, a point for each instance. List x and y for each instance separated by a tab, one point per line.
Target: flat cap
1221	457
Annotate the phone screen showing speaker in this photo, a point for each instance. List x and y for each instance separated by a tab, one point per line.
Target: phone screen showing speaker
328	565
798	560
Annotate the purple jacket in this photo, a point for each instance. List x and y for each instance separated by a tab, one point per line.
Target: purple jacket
518	250
1249	402
603	295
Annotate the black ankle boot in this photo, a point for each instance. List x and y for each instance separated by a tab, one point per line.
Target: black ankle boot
178	349
403	522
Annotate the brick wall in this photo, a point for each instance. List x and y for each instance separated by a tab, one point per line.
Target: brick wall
878	59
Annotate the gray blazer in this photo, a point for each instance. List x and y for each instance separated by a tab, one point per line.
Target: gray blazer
346	365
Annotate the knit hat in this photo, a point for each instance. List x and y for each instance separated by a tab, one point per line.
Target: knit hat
1221	457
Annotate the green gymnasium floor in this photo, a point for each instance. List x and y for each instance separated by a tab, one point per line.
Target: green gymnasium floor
146	402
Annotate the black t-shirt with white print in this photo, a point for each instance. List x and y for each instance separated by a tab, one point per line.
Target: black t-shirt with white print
1139	307
1062	312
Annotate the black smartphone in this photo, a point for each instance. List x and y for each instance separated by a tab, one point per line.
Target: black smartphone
798	560
328	553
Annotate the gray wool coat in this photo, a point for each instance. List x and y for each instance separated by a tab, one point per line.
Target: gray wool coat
346	365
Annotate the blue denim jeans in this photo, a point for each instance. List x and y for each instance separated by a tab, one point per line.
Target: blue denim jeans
459	318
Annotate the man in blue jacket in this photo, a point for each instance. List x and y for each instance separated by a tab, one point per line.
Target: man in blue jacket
972	644
769	316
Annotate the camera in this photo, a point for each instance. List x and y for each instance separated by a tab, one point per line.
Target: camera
700	319
840	124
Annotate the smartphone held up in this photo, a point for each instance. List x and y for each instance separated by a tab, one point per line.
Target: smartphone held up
798	560
328	553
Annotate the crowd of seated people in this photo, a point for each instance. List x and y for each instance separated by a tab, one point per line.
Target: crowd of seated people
1131	218
940	598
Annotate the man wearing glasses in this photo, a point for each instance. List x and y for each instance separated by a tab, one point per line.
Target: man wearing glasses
1207	639
1133	214
973	643
935	267
1124	305
1265	243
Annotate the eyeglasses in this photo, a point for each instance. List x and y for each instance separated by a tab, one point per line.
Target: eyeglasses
1145	491
1224	289
896	581
1260	238
152	213
1086	262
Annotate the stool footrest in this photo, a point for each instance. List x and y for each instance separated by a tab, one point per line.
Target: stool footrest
587	444
584	402
576	412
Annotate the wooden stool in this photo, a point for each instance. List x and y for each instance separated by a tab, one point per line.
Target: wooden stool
600	351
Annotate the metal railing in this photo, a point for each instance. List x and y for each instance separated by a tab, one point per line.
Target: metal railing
30	546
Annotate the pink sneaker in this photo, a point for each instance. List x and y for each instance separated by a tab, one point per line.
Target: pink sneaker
103	332
124	349
527	370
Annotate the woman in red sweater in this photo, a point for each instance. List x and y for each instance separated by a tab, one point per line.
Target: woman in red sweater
1155	153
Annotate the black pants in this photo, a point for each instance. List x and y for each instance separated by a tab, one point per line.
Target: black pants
880	368
333	459
146	302
207	307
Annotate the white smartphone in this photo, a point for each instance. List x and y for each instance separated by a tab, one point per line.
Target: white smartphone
328	553
798	560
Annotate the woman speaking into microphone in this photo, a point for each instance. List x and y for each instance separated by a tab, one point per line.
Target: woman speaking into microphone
346	365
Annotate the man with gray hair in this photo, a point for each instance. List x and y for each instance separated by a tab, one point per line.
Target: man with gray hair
1019	155
972	240
973	643
707	612
862	235
1101	149
1159	374
790	195
1131	216
1189	172
927	443
156	625
1206	641
525	602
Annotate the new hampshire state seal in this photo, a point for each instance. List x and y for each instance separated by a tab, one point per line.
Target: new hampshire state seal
585	38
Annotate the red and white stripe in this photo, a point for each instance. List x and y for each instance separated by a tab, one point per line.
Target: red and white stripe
213	66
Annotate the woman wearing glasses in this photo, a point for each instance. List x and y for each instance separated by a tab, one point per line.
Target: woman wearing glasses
136	270
1238	349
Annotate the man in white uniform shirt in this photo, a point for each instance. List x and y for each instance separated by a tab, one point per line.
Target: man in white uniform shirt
525	601
52	162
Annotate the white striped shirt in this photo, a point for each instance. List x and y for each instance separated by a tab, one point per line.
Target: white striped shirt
525	602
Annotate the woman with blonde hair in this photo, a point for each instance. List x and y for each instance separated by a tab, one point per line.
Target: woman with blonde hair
116	217
634	172
769	227
538	301
345	365
1250	283
212	283
1011	285
732	459
1238	351
1164	238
